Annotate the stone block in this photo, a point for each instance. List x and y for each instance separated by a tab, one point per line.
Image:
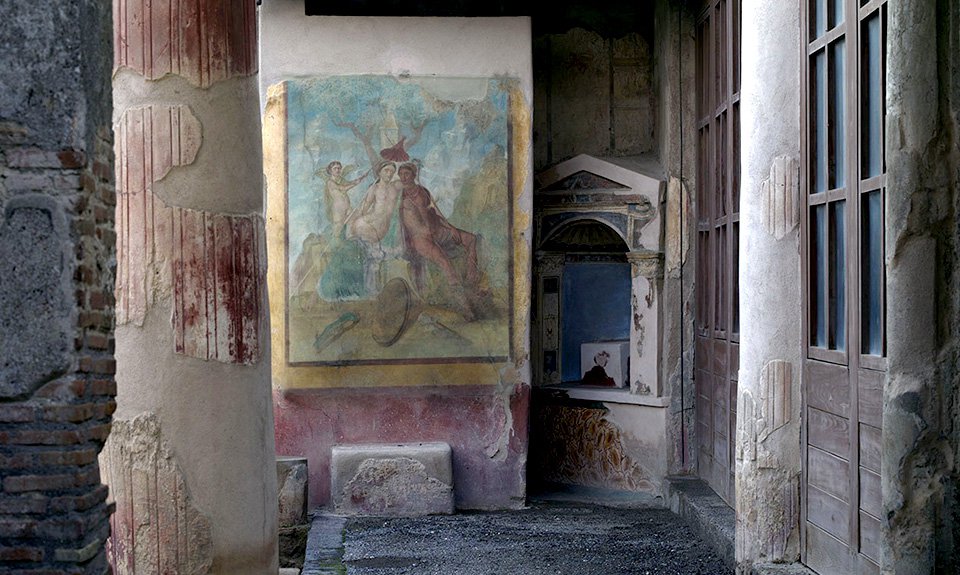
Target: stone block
292	490
408	479
35	304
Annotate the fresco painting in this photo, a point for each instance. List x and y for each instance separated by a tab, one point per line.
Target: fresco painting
398	231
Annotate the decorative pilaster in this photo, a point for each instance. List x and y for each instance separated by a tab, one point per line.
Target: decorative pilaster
646	279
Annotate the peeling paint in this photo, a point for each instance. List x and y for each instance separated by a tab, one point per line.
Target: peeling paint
510	379
205	41
156	527
677	240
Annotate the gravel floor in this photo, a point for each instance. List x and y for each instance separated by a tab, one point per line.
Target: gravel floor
548	537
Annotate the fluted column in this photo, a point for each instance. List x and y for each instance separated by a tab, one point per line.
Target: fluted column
190	462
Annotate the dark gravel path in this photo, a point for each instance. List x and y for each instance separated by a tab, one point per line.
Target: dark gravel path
546	538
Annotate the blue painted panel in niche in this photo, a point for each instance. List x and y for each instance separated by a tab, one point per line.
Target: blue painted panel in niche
595	306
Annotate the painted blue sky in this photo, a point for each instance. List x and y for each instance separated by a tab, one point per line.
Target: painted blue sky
464	120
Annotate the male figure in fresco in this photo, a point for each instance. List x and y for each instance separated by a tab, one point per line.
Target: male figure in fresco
429	237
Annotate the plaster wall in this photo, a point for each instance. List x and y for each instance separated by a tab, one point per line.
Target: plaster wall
191	462
919	474
768	450
609	445
675	88
479	409
593	95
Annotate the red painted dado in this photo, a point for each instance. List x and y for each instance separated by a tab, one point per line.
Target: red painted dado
205	41
486	430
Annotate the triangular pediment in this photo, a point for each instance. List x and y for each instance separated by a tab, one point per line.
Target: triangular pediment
587	174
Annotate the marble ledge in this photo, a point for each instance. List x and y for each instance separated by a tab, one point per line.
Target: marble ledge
605	395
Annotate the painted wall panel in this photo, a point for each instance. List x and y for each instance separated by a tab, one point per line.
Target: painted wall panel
457	372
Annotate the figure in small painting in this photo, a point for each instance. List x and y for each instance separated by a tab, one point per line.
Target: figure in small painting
598	374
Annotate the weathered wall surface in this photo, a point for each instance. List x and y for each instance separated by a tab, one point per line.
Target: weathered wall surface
479	409
593	95
191	466
607	445
56	284
675	81
768	401
919	476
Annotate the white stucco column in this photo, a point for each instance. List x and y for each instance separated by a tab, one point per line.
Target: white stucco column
768	403
190	461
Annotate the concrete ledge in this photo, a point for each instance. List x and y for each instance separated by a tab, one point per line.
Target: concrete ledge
781	569
406	479
707	514
324	554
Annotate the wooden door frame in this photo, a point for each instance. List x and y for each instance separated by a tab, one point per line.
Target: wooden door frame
852	194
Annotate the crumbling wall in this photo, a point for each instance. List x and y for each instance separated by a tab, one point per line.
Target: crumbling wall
920	408
593	95
675	82
56	286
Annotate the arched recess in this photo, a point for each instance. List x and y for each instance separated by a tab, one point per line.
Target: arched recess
593	292
596	338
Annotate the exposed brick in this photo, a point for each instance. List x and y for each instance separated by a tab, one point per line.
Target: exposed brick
102	214
21	554
96	340
64	389
41	437
32	158
96	387
26	181
103	170
98	301
78	412
88	182
61	528
85	227
17	413
21	504
18	460
80	555
71	159
18	527
108	195
21	483
78	457
68	503
80	205
98	433
84	274
99	365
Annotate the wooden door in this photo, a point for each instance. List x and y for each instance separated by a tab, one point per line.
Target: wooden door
718	227
844	365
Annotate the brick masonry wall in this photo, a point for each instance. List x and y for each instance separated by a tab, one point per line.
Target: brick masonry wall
53	515
57	268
